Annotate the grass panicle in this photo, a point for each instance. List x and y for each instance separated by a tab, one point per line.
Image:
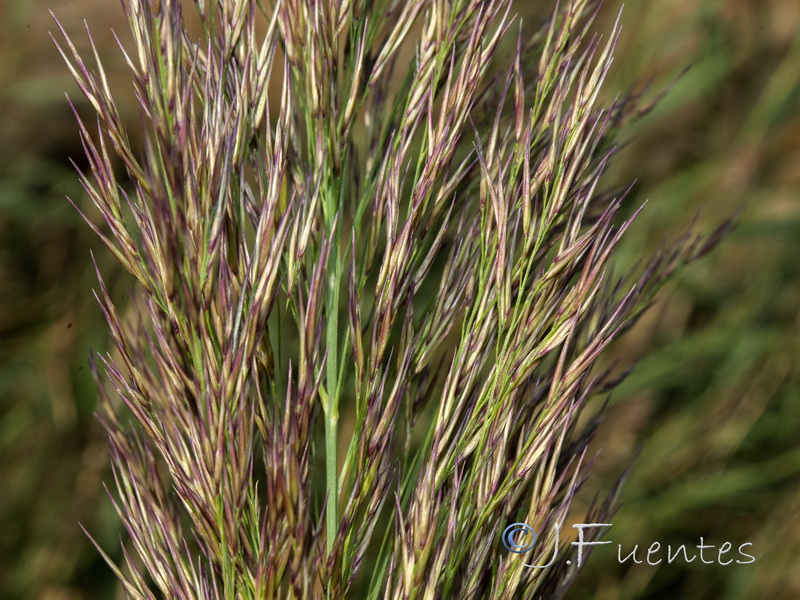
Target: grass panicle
367	316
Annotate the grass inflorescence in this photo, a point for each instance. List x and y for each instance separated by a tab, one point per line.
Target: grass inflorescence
413	241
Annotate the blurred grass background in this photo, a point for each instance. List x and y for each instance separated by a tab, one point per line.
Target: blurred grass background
714	403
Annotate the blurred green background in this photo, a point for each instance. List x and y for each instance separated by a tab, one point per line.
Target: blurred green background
714	402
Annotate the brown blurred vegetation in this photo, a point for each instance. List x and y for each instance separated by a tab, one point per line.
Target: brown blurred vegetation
52	455
716	401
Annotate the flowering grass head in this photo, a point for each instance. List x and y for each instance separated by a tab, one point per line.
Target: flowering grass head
367	313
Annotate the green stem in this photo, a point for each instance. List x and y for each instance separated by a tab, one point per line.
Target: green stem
331	466
331	406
